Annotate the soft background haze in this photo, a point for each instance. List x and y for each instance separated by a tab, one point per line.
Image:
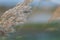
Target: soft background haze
42	17
42	11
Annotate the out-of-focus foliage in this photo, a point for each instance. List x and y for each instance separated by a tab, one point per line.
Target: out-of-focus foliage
33	28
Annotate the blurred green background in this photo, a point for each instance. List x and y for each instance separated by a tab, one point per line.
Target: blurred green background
37	27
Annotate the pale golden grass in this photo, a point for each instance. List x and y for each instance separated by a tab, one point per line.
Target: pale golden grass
56	15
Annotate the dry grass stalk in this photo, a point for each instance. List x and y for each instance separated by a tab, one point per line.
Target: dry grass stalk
56	15
16	15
